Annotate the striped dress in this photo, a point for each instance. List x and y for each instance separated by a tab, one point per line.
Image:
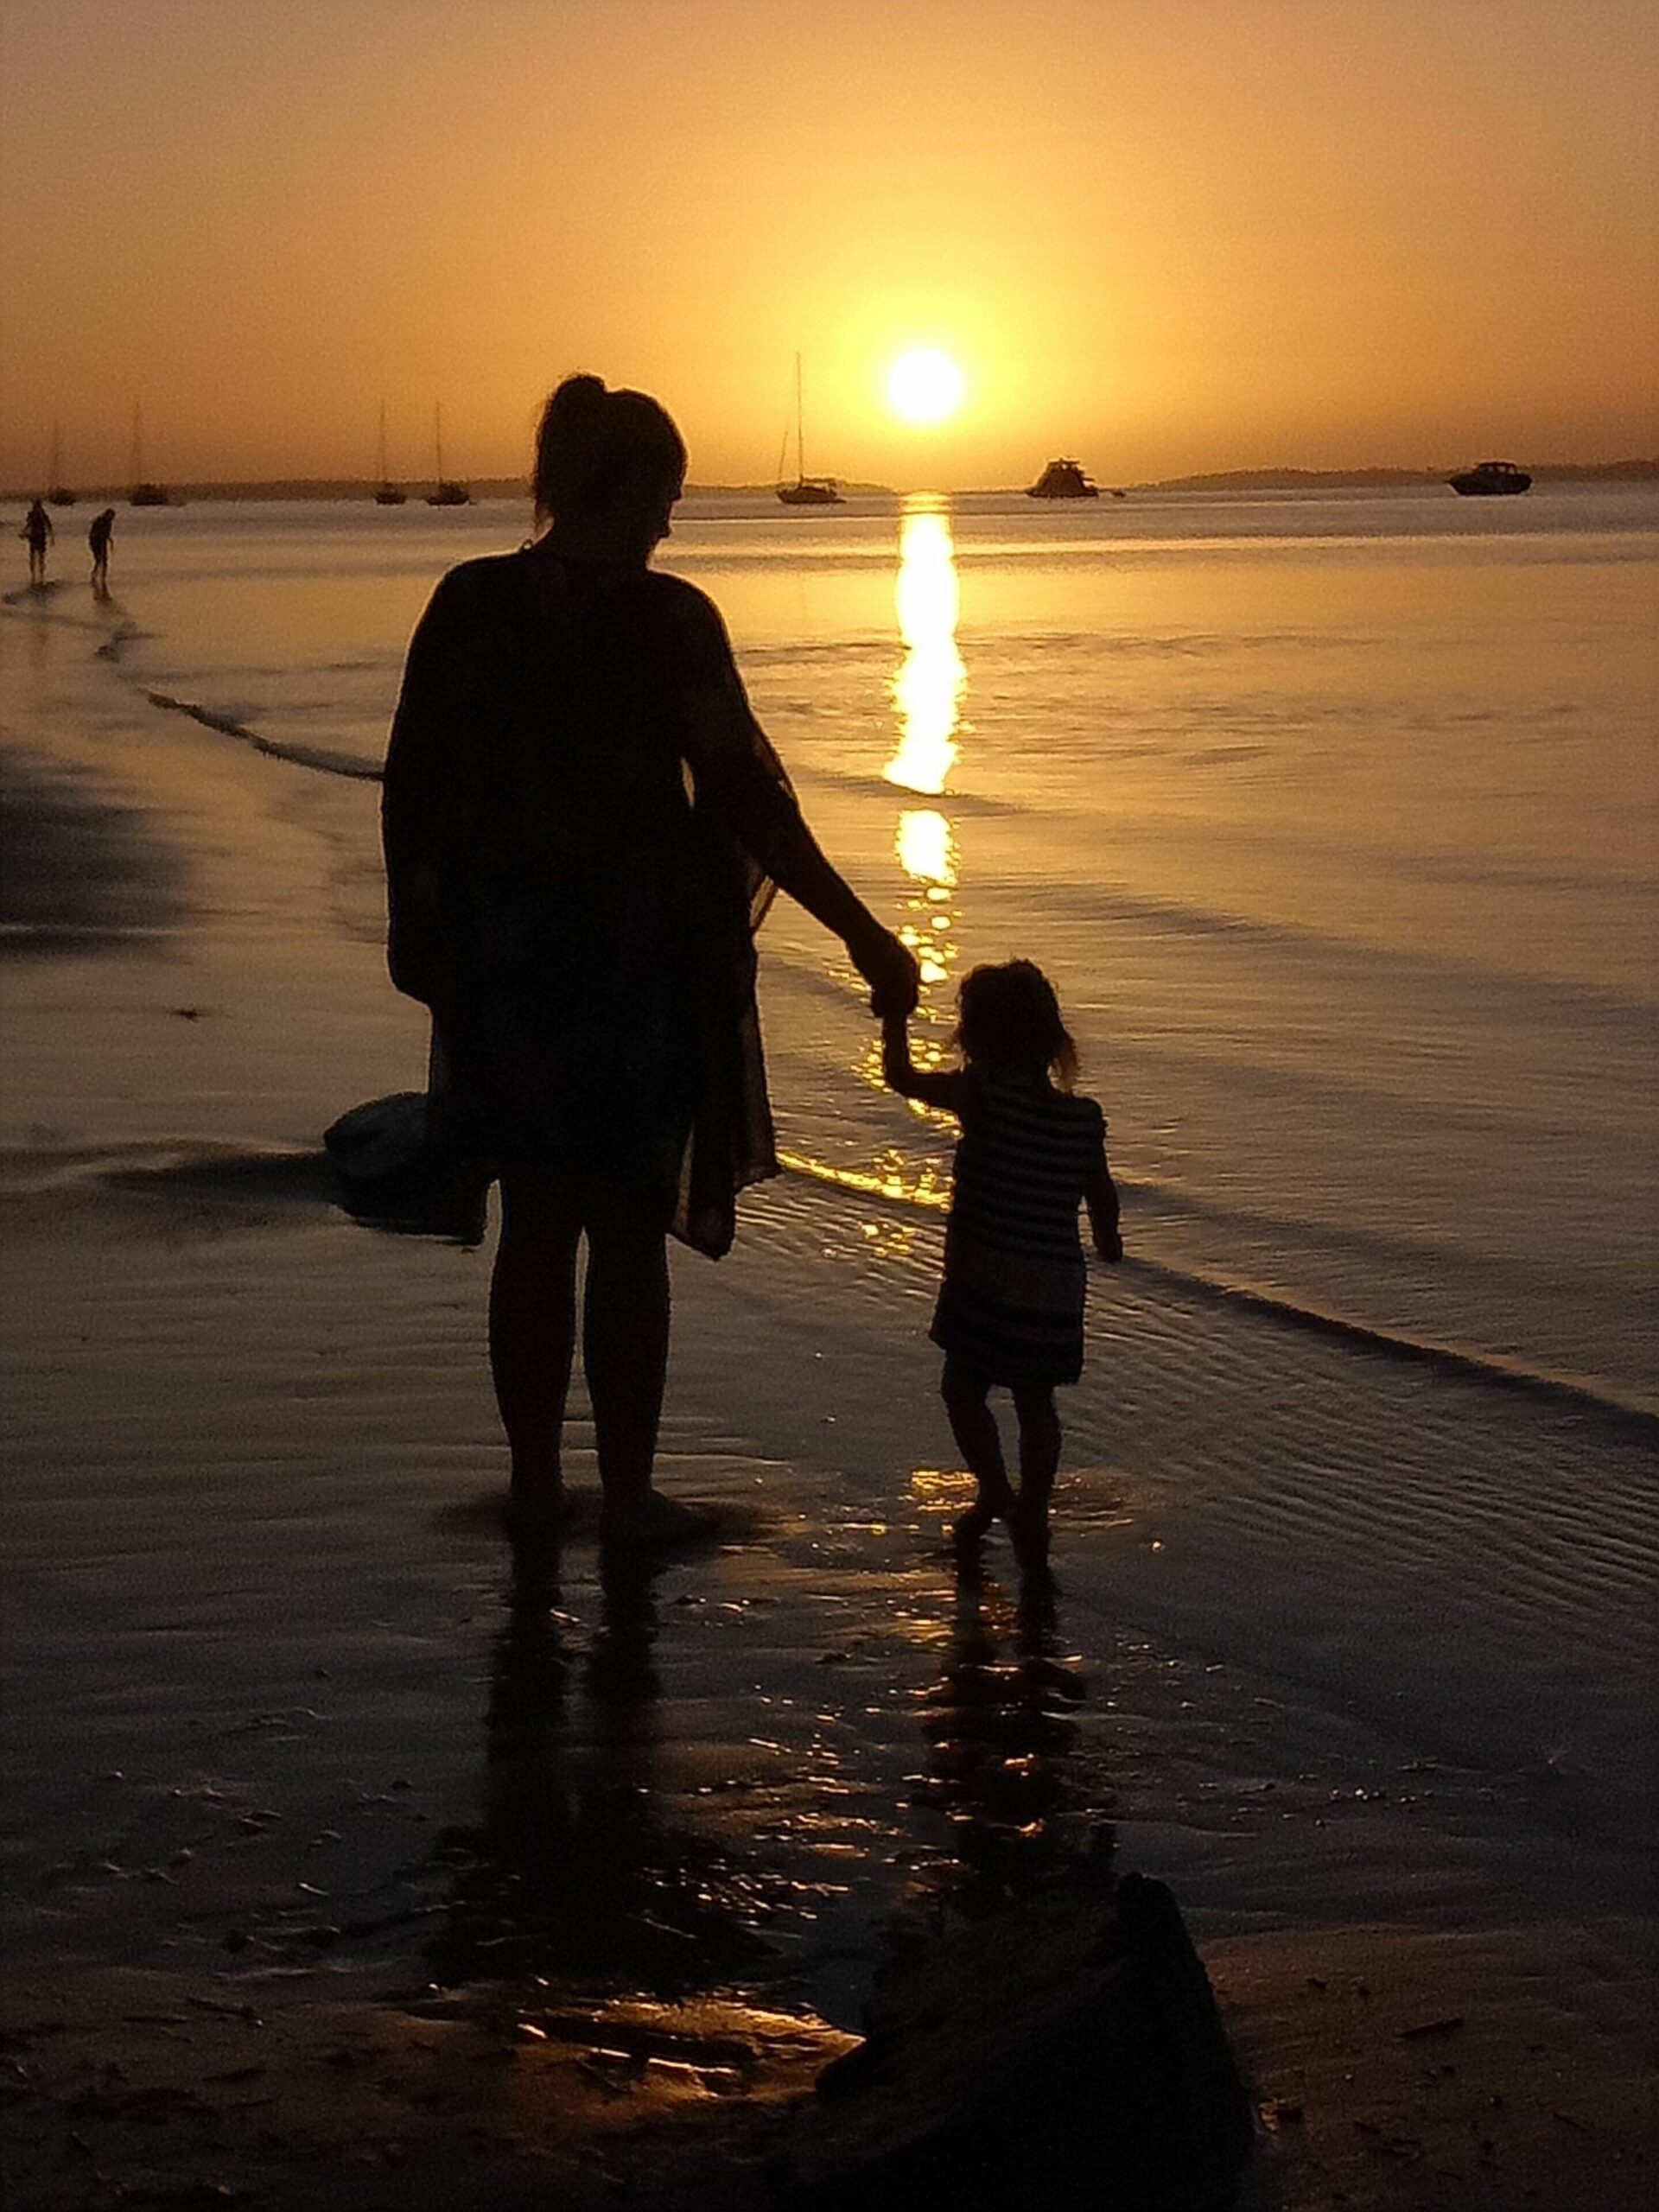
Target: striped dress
1011	1303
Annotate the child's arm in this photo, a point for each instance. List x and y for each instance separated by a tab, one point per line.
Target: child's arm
939	1087
1100	1196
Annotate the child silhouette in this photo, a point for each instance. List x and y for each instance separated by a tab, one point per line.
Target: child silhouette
1010	1306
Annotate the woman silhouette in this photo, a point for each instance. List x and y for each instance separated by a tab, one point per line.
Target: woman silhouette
584	823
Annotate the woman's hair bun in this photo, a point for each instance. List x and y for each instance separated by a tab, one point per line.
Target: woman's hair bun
578	395
596	446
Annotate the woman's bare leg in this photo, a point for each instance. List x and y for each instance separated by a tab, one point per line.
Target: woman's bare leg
533	1338
625	1349
624	1354
967	1402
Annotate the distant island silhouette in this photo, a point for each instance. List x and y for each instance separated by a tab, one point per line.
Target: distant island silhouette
1231	480
1294	480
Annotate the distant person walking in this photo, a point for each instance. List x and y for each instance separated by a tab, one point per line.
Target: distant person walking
583	822
99	532
1010	1307
37	534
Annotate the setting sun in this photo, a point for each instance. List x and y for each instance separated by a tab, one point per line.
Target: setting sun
924	386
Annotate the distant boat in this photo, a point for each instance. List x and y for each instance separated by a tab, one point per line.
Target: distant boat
143	492
1493	480
58	492
806	491
390	494
1064	480
445	492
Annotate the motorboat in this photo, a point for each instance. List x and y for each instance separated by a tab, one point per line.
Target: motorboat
1491	479
1063	480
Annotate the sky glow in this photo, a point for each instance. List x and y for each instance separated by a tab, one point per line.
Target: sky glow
1164	239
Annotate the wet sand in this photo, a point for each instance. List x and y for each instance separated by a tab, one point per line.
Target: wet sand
334	1848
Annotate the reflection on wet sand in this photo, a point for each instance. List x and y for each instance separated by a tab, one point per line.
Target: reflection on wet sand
574	1876
1001	1724
592	1875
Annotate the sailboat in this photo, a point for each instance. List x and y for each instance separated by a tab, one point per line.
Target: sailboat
144	493
390	494
806	491
58	492
445	492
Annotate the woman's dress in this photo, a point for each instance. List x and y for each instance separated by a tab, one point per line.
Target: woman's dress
579	808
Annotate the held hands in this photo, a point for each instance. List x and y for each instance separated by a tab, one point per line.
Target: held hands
891	971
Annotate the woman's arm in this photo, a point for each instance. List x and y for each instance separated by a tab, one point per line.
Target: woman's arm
738	772
415	806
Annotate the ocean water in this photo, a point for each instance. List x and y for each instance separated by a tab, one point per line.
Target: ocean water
1331	816
1333	820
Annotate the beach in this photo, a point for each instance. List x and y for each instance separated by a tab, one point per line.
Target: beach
319	1822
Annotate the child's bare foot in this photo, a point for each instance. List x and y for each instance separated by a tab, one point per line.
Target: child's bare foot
970	1527
655	1523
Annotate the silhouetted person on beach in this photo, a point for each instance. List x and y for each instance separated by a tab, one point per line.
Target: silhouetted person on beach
99	534
1010	1307
37	534
584	823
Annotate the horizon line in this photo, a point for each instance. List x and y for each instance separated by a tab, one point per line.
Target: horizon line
1283	475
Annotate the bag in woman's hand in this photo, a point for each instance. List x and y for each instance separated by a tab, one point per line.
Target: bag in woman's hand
398	1166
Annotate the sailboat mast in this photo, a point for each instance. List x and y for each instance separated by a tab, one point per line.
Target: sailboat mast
437	437
800	450
384	472
137	443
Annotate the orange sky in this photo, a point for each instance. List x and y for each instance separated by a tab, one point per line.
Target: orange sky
1167	235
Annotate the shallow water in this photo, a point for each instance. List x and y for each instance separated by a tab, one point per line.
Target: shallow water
1355	1536
1332	817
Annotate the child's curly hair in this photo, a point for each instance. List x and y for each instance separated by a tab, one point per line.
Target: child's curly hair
1010	1013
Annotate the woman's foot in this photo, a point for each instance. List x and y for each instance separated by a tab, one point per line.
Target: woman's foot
536	1512
655	1523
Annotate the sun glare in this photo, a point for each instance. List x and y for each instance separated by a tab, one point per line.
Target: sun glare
924	386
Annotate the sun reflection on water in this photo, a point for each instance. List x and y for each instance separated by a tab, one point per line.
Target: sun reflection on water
928	686
927	847
927	693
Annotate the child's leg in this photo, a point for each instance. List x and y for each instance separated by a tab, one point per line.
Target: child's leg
1040	1460
973	1424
